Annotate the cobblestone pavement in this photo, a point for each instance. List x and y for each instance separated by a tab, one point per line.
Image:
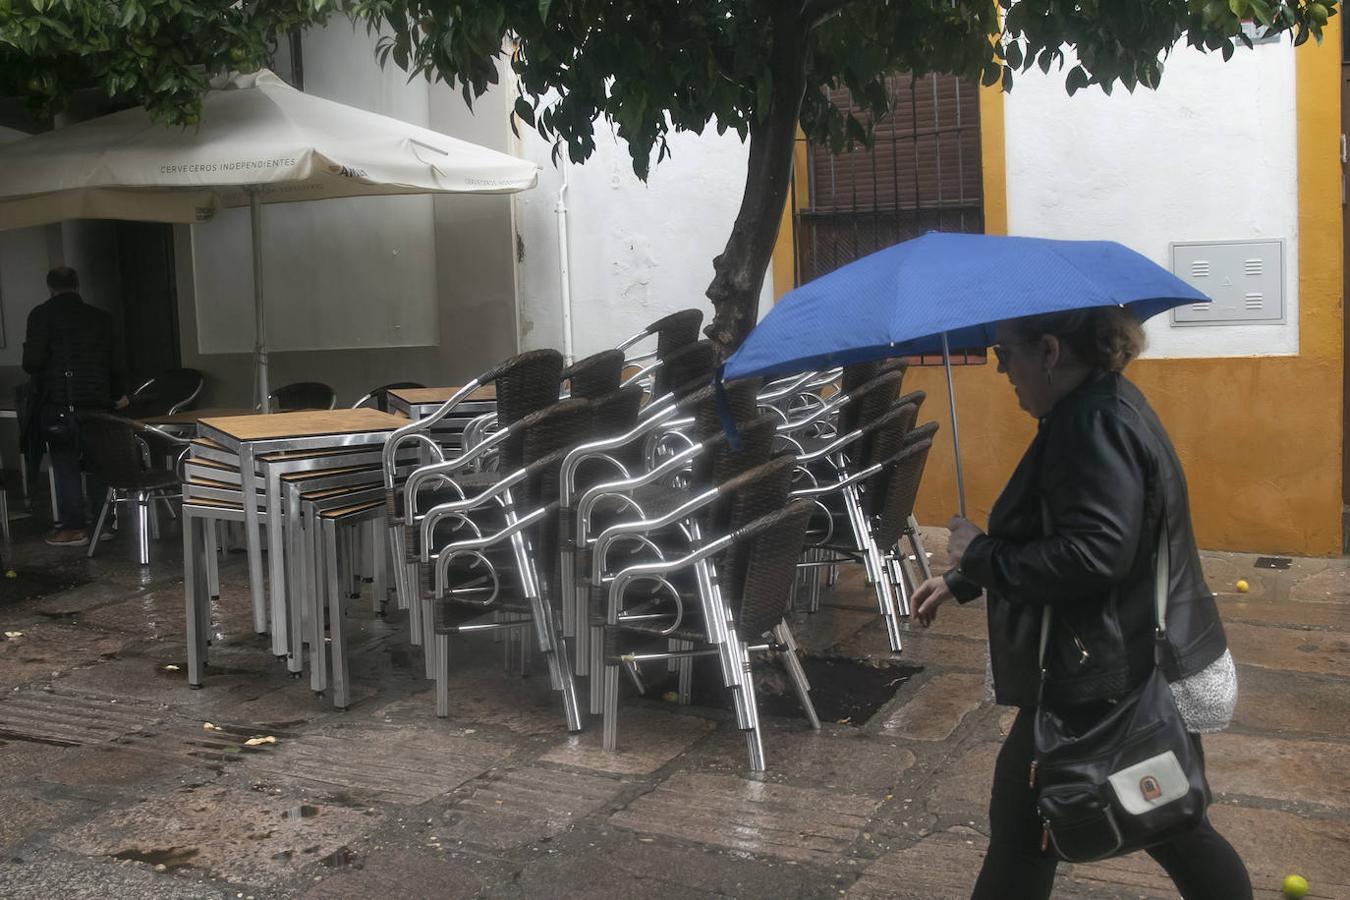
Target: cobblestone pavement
110	786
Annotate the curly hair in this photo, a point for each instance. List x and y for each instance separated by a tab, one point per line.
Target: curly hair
1104	337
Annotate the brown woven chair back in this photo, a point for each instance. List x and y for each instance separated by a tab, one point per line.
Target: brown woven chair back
742	399
596	375
858	374
902	488
111	452
380	395
888	436
303	395
675	330
686	370
163	392
869	400
525	384
614	414
758	570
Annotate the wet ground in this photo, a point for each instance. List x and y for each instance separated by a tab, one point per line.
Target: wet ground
113	785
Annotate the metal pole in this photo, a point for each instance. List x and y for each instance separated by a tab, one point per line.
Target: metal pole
956	434
259	315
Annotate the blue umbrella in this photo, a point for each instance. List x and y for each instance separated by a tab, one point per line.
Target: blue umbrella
940	290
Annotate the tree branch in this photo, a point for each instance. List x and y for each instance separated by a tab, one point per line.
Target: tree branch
814	12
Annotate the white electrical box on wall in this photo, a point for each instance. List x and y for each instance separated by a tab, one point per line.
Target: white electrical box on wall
1245	279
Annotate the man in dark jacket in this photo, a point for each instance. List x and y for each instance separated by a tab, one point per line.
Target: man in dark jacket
69	352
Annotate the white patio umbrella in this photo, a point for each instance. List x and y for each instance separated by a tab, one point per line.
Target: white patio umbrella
259	141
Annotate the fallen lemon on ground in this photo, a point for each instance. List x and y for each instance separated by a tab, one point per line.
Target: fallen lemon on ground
1242	586
10	573
671	697
1295	886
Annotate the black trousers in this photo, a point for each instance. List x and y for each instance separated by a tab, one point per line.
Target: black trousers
66	457
1201	863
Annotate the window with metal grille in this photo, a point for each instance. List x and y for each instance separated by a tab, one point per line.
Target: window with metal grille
922	173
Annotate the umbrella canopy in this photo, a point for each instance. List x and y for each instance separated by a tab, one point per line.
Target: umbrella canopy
903	300
256	134
259	141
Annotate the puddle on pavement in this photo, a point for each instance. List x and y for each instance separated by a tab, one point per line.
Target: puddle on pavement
169	857
29	583
304	811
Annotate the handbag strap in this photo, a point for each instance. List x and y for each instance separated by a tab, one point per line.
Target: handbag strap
1162	576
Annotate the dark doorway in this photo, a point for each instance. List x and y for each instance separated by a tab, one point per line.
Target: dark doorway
149	299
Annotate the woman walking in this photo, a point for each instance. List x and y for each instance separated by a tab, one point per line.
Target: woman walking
1075	530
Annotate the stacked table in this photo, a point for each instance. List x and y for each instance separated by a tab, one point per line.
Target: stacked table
237	464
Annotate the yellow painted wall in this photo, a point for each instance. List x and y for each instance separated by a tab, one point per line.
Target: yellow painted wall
1260	438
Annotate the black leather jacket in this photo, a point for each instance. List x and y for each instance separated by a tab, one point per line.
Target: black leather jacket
1104	471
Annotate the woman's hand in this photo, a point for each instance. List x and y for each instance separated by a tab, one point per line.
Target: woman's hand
962	533
928	597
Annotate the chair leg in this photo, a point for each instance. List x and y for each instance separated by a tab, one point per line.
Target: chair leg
4	516
379	565
109	499
920	554
796	673
142	528
337	586
686	675
610	725
152	511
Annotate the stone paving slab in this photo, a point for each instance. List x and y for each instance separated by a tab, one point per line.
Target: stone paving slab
507	809
837	757
1292	771
1274	843
46	651
944	864
400	875
245	837
647	741
1317	652
406	765
1289	702
68	718
961	788
937	708
801	824
613	864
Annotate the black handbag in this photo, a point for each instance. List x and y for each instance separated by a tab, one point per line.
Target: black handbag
1134	778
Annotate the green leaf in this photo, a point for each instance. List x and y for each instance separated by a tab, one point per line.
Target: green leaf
525	111
1076	80
543	9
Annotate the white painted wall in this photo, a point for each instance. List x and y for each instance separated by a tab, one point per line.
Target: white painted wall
638	251
23	272
1210	156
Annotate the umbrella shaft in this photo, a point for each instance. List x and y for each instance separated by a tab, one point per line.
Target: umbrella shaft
259	316
956	434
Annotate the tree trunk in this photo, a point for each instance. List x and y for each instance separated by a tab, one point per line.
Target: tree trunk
739	269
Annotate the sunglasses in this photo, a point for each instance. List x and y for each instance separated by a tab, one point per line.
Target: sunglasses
1002	351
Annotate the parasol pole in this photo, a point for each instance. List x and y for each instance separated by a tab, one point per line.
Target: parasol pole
259	316
956	434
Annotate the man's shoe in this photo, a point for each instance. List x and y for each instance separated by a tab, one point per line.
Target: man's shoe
68	537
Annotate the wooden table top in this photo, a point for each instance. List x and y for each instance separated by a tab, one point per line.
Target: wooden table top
313	423
193	416
416	396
